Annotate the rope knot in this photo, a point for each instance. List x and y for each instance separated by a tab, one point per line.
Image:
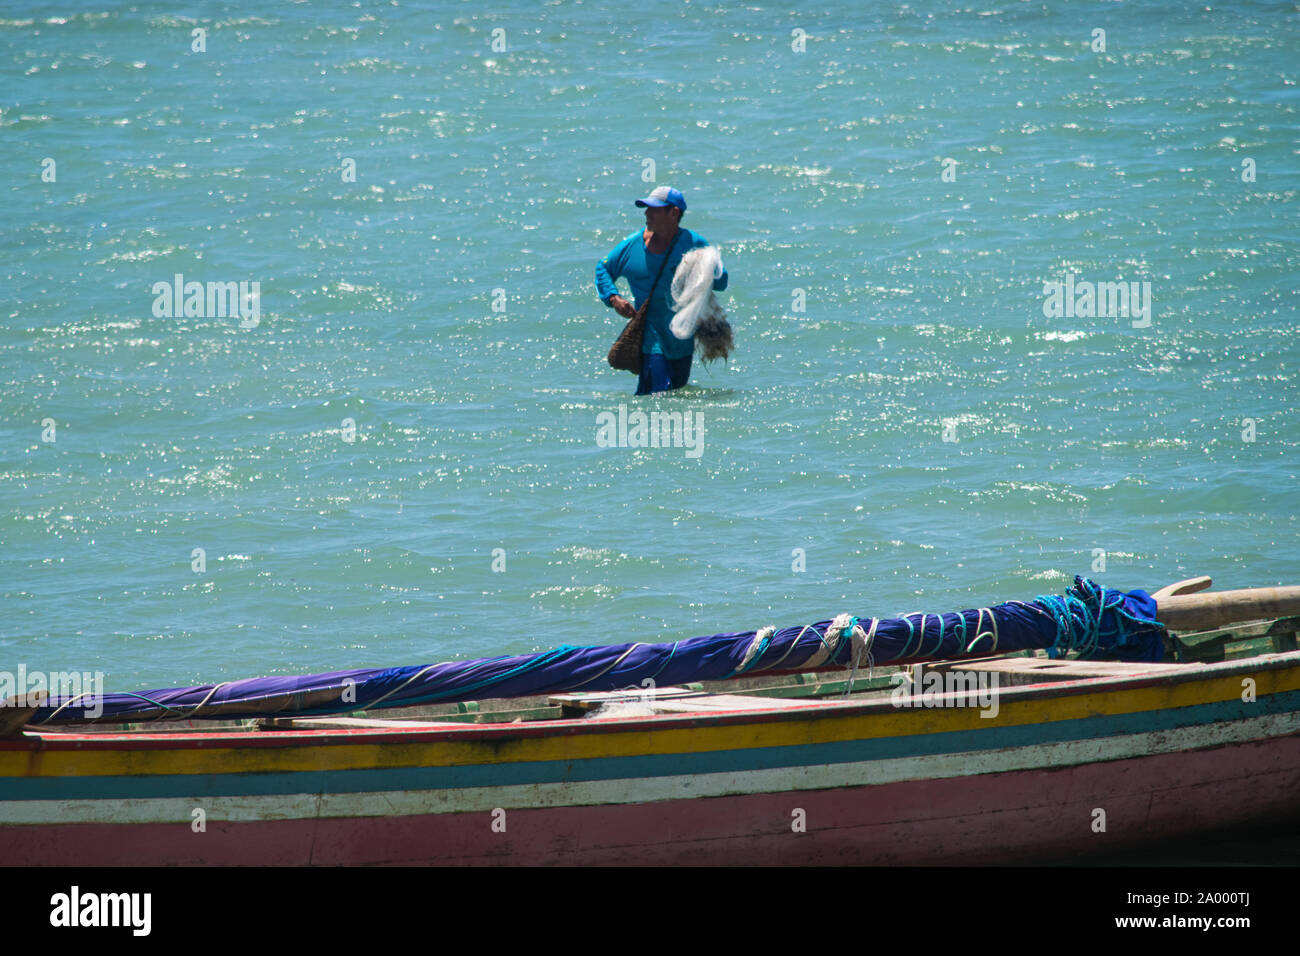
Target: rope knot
762	638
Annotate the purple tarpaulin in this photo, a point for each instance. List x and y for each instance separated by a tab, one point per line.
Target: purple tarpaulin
1092	621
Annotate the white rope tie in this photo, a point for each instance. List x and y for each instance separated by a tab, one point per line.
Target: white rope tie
208	698
862	641
67	703
792	646
830	641
763	634
620	660
397	689
980	635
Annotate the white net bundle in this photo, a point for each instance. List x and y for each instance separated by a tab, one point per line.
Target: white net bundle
698	311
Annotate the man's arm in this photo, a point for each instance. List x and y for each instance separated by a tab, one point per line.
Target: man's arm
607	271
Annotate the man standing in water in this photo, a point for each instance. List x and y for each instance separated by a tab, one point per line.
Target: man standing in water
665	359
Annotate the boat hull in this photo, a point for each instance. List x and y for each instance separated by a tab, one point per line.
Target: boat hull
1017	816
1075	767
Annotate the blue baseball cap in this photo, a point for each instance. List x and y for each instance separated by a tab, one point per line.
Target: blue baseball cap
664	196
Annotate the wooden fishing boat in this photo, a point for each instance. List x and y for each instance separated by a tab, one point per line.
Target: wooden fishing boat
909	765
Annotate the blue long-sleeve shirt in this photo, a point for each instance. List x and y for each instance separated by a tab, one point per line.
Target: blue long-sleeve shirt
630	260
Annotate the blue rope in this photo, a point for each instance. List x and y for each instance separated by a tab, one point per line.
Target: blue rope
907	649
1082	623
513	672
667	661
1076	628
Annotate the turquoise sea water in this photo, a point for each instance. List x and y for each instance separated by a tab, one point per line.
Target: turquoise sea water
880	308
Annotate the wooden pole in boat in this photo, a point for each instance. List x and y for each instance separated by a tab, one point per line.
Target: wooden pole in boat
1180	608
16	711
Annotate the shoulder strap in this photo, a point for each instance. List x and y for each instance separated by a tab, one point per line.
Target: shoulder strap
667	254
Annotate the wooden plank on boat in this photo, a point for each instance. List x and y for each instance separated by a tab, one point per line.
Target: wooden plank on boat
1236	650
599	698
711	702
1239	640
517	715
811	685
681	701
352	723
1056	670
1283	633
16	711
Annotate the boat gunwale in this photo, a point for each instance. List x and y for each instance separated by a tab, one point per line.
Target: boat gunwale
190	739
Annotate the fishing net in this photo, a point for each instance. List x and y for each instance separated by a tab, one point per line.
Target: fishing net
698	311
